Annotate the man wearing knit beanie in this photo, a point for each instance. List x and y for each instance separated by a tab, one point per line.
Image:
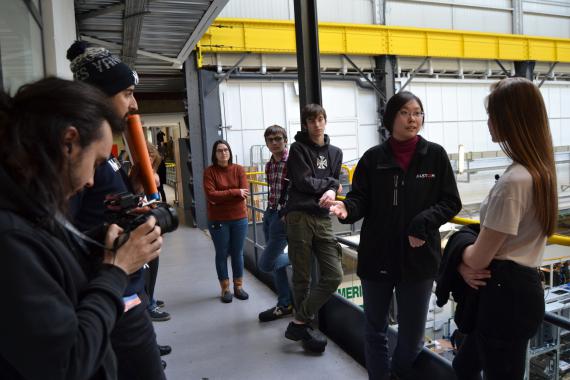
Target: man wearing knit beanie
133	338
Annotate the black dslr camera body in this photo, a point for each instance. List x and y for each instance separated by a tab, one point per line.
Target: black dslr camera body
127	211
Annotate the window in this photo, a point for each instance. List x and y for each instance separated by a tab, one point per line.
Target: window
21	48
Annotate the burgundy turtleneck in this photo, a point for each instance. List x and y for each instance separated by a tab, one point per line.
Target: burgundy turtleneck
404	150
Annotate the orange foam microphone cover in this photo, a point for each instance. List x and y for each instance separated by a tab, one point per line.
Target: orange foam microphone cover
139	151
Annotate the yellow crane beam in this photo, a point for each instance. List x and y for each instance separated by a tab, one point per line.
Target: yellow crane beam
228	35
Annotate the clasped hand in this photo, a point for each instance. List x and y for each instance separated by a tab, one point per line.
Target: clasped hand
473	277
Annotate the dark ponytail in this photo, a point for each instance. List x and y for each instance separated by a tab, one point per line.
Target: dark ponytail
32	125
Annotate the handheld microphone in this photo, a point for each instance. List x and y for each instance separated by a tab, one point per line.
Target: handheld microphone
139	152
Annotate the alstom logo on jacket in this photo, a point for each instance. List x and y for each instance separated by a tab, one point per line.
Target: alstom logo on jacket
425	175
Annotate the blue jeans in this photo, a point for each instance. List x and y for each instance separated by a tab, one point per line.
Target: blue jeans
228	237
274	259
413	302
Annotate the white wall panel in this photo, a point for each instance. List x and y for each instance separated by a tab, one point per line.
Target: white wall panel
482	20
551	26
564	94
260	9
451	16
413	14
564	133
339	99
252	107
366	101
433	104
556	131
273	104
350	11
455	114
449	97
235	139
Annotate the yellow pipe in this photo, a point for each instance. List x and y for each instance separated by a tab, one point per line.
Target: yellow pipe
258	182
227	35
553	239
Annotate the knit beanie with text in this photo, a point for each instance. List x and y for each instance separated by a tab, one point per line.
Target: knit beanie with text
97	66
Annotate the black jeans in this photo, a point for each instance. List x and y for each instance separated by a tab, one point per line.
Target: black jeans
134	342
413	304
511	307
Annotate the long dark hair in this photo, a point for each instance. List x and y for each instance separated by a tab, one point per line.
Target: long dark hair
32	126
218	142
520	122
394	105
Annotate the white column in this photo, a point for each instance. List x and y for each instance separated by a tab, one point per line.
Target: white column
59	32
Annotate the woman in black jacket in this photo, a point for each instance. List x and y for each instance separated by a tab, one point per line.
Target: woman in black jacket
405	190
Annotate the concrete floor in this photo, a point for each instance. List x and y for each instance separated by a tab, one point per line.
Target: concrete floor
212	340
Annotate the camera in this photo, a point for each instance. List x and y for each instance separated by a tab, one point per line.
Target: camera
128	212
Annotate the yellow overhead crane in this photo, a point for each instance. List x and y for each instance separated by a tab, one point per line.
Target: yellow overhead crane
228	35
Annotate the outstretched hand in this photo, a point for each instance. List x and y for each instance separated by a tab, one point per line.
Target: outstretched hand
415	242
338	208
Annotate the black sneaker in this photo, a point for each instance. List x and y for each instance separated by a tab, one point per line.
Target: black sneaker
164	350
275	313
158	315
159	303
312	340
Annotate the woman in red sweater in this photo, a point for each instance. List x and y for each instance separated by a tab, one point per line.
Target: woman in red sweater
226	188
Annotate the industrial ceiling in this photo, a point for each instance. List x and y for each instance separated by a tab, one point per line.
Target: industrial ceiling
154	37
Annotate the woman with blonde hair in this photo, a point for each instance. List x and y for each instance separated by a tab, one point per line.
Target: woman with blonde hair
516	218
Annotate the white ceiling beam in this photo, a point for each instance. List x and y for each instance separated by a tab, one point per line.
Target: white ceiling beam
211	13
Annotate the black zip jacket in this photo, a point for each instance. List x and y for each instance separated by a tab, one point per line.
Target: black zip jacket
449	280
59	320
311	170
395	204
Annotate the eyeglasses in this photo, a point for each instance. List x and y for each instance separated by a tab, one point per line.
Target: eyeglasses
224	150
406	114
276	139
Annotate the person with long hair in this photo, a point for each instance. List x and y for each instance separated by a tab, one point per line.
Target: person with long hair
226	188
405	190
63	307
517	216
133	339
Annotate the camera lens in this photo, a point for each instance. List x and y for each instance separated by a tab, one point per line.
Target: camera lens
166	218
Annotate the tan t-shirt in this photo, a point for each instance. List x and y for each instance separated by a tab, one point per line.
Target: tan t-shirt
509	209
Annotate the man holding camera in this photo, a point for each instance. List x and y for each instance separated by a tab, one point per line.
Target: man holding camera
63	306
133	338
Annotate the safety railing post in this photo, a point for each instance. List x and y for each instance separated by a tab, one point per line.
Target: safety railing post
254	221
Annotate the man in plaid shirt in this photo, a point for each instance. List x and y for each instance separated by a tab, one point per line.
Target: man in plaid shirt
274	259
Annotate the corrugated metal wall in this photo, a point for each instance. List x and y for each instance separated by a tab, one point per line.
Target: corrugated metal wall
350	11
547	18
540	17
248	107
455	113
